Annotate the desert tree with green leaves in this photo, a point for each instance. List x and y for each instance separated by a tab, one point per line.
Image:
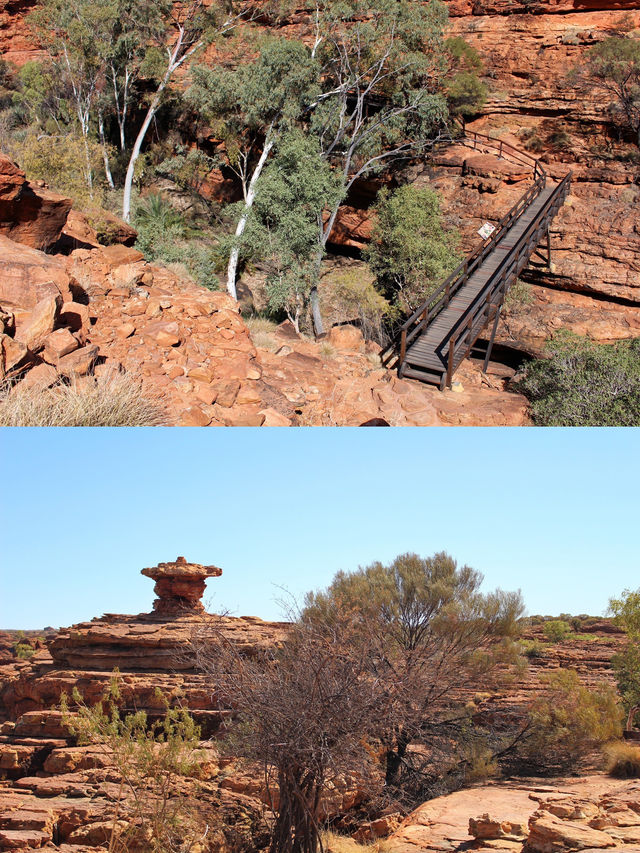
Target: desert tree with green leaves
102	49
287	219
626	664
428	631
368	88
383	65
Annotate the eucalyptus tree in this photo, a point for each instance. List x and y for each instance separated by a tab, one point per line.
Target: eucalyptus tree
102	48
75	33
188	27
250	108
383	67
283	228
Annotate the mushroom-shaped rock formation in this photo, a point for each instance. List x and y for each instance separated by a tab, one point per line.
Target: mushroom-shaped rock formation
180	585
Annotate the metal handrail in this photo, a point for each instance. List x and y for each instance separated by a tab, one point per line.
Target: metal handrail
458	278
470	317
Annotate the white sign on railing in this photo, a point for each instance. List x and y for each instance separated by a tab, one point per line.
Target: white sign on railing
486	230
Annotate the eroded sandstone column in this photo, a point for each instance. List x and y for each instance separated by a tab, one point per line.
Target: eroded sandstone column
180	585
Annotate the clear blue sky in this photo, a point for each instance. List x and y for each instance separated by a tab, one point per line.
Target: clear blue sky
553	512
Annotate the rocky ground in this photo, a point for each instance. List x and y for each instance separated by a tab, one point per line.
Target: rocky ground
583	814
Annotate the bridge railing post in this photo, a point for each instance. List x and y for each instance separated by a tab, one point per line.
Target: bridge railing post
403	347
452	345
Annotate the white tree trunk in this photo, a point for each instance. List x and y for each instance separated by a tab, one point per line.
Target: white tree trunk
135	153
232	266
105	153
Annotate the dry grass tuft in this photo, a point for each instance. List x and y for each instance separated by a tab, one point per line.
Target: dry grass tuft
623	760
262	332
342	844
112	399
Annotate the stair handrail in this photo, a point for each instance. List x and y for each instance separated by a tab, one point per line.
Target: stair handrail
469	318
460	275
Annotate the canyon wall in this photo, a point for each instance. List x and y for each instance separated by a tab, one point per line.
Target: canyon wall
528	49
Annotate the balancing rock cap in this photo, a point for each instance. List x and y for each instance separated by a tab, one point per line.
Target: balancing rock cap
180	585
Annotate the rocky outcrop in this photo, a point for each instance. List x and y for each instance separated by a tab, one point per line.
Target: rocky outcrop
180	585
160	642
107	309
56	793
586	813
29	213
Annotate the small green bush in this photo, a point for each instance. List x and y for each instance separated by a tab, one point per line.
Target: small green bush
411	251
164	237
149	759
532	649
583	383
556	630
24	651
569	720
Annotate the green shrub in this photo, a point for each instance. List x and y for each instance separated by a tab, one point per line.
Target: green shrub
24	651
569	720
149	760
556	630
584	384
532	649
60	161
163	236
411	252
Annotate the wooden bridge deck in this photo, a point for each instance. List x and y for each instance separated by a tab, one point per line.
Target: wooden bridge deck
428	351
439	335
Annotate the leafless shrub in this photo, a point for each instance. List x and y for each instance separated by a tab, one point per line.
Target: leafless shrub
302	712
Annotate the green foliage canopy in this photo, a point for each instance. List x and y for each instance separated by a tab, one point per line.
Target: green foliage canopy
584	384
466	92
613	65
411	252
430	630
286	221
266	96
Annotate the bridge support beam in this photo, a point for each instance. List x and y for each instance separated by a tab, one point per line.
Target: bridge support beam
494	329
537	251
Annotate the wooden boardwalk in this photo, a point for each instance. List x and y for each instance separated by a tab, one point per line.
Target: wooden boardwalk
439	335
